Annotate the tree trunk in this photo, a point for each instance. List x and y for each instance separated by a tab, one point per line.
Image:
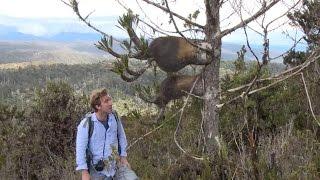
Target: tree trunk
211	79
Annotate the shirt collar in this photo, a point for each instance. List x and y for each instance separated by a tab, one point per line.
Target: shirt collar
94	116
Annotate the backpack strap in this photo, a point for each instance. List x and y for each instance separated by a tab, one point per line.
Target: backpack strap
90	131
89	122
114	112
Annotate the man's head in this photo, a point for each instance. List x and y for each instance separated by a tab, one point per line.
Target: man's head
100	101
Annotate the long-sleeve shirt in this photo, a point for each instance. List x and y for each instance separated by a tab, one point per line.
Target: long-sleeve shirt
100	139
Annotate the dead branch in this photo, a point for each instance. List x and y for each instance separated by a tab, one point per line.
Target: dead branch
308	98
123	21
74	5
105	44
276	77
312	58
178	125
291	48
245	22
152	131
174	14
304	65
249	46
208	50
157	28
258	63
284	14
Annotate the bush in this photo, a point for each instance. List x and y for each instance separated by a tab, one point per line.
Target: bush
47	141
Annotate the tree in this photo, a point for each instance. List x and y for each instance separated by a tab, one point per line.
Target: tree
138	48
308	19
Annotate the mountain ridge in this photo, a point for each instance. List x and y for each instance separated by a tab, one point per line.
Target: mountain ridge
20	47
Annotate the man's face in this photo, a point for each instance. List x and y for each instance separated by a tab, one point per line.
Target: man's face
106	104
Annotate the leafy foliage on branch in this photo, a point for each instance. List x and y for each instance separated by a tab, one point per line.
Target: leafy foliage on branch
309	21
294	58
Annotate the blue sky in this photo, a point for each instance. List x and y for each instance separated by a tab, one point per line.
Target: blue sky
45	18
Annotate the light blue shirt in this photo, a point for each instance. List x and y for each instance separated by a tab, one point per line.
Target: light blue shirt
97	140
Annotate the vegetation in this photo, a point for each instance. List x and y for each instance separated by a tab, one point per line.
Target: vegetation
18	85
38	139
269	129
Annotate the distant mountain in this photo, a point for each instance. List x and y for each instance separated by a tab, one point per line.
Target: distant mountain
20	47
229	51
72	36
58	52
10	33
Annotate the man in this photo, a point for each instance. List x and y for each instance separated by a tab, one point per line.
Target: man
103	142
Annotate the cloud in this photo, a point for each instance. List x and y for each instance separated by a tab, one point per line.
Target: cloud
56	8
34	29
51	26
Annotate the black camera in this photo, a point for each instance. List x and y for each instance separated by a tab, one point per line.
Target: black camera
99	166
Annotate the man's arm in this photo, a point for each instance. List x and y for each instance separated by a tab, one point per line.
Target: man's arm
81	145
123	145
122	140
124	161
85	175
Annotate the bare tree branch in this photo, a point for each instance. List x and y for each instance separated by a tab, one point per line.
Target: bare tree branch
290	49
177	29
276	77
249	46
74	5
304	65
309	101
153	130
284	14
174	14
122	66
245	22
178	125
312	58
157	28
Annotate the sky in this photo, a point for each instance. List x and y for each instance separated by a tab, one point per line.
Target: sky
50	17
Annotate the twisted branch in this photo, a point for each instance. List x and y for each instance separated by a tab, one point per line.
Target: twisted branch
309	101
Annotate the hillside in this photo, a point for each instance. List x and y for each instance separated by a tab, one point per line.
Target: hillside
84	51
45	101
58	52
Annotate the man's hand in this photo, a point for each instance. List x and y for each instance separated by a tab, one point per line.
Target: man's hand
124	161
85	175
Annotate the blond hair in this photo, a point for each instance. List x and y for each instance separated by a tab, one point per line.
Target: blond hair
95	97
